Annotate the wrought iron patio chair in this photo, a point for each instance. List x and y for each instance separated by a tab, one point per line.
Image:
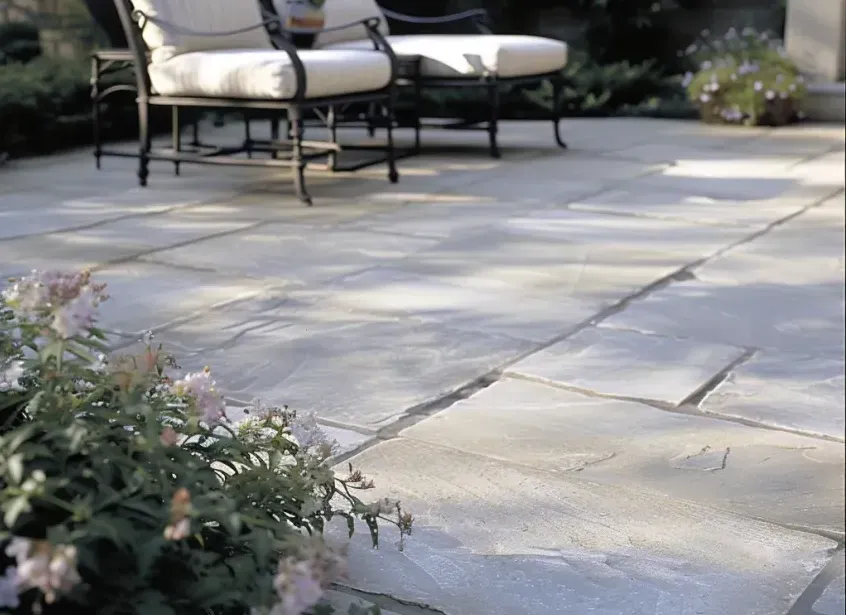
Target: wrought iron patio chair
232	68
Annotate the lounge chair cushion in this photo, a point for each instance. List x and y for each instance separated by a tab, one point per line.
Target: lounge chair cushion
474	55
201	16
269	74
340	12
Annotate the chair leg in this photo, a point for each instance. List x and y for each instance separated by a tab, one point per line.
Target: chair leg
248	139
390	153
144	142
176	136
296	127
557	88
332	123
493	122
195	131
274	136
95	115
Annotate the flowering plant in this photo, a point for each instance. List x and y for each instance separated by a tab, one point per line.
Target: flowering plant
744	78
125	489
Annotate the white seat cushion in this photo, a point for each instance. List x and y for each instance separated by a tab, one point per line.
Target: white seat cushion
201	16
341	12
475	55
259	74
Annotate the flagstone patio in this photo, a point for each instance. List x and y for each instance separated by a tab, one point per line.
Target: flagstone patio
606	380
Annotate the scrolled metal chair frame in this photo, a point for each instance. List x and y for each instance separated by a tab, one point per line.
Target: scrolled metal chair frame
295	152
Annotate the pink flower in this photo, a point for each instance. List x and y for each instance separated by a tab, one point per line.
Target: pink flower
200	388
51	569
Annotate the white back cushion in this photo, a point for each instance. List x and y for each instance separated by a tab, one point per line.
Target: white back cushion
201	16
339	12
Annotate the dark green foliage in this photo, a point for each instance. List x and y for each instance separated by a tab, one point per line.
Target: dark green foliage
19	42
45	106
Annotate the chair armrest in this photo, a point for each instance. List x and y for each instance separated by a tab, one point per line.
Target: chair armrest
477	17
142	19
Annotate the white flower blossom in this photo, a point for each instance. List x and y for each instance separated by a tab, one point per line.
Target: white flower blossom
200	388
49	568
311	438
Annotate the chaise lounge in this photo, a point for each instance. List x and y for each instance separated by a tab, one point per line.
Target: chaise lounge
478	59
235	55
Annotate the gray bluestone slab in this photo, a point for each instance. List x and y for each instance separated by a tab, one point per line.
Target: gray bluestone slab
62	251
25	214
439	217
681	205
679	241
676	153
547	265
351	369
805	394
766	474
495	539
806	250
628	364
785	318
720	179
294	253
389	292
146	296
147	233
833	599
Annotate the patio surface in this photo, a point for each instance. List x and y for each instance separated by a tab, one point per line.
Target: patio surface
608	380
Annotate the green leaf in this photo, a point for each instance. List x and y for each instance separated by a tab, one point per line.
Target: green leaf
15	508
14	466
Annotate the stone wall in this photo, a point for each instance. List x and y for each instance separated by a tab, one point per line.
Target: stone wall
66	27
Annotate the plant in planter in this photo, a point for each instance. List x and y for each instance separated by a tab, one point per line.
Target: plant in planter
744	77
125	490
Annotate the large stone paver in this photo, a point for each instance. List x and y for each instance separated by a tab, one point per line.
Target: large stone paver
765	474
382	298
785	318
788	392
147	296
352	369
681	205
394	293
629	364
290	253
833	598
496	539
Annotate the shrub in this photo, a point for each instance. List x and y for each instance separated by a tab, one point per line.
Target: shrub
744	78
19	42
125	490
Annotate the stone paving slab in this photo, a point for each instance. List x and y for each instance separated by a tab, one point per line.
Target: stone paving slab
807	250
25	214
378	368
720	180
800	393
147	296
804	320
394	293
766	474
629	364
295	254
675	205
833	599
496	539
551	264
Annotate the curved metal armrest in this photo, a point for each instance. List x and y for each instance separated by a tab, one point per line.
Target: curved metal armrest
284	44
478	17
